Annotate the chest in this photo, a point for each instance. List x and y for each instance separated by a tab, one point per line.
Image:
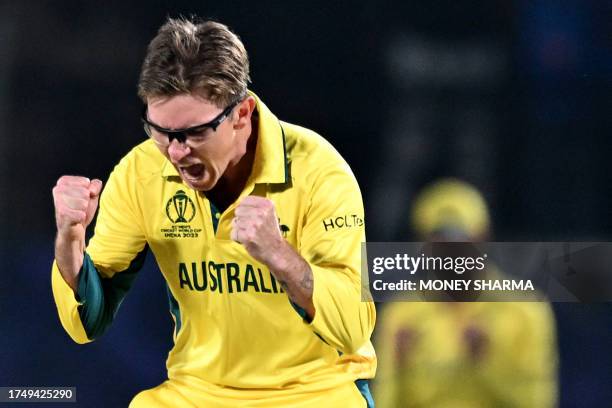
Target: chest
183	227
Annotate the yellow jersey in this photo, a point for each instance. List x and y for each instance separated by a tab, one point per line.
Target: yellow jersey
237	336
427	359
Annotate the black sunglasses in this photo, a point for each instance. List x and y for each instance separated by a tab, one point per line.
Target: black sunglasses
181	134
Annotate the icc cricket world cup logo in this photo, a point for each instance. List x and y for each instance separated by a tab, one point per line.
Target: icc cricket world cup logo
180	208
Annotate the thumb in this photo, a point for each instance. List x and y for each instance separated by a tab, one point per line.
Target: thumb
95	188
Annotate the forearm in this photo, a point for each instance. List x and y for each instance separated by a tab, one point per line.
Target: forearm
295	277
69	251
343	318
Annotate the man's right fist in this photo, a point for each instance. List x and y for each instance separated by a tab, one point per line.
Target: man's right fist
76	200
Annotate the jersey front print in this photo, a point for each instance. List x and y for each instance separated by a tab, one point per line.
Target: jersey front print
235	328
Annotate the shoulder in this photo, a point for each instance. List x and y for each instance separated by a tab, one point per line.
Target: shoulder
310	153
141	163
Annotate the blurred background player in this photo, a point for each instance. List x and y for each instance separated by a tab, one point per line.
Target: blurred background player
463	354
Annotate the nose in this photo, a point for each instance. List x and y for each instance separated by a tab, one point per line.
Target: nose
177	150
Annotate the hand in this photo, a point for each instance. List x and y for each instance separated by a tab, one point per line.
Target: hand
255	226
76	200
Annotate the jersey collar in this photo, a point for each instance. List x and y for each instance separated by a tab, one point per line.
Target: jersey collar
270	164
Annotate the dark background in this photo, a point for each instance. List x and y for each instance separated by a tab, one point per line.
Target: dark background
513	96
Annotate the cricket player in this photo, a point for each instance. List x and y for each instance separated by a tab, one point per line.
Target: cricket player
256	225
464	354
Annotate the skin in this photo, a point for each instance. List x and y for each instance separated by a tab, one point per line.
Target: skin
76	200
218	167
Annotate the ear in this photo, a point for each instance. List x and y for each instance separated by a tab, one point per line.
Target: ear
244	110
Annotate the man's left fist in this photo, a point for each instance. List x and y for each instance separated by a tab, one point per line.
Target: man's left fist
255	226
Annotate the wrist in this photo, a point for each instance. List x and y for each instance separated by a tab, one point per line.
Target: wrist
71	233
69	256
282	258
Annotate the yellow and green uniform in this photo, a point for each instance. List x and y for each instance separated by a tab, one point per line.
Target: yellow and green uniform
425	359
238	340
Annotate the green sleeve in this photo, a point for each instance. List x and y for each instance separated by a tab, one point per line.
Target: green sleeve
100	297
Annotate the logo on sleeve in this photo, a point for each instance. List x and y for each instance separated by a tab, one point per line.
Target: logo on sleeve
344	221
180	208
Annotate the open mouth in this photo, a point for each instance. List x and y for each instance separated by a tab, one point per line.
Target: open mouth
193	172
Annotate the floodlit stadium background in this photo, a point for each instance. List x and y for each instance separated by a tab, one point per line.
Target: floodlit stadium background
513	96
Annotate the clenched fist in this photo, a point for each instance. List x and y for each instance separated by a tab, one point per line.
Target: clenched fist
255	226
76	200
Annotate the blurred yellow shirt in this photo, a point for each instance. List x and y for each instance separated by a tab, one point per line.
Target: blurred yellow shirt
443	355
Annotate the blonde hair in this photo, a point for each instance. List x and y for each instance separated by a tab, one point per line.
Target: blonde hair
191	56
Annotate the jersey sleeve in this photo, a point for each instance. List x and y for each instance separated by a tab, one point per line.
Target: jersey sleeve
331	243
112	259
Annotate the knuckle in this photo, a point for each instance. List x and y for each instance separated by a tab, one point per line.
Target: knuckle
72	180
65	179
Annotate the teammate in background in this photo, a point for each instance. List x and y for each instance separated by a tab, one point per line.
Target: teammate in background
463	354
235	205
